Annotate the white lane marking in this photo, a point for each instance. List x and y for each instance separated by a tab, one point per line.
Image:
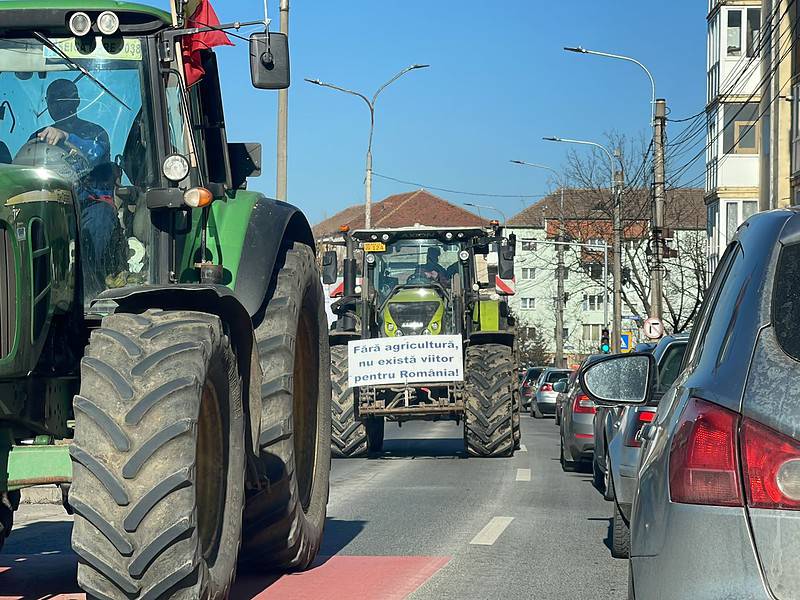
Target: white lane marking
523	474
493	530
523	448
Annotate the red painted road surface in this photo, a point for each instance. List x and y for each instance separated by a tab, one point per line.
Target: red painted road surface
52	577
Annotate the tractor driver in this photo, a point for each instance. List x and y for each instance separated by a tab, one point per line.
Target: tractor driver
95	189
432	269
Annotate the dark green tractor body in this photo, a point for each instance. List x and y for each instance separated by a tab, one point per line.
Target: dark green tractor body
427	282
147	356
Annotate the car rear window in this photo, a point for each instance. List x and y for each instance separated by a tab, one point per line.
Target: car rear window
786	301
533	375
554	376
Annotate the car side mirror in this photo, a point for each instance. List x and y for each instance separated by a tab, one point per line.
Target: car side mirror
560	387
620	379
330	267
269	60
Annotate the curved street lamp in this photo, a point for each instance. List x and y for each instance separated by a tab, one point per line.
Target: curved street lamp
371	105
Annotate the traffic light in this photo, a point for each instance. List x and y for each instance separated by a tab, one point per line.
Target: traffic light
605	343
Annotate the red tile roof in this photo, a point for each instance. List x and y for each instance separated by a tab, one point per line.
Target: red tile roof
684	208
402	210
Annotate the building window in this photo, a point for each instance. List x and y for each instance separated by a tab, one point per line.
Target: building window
741	133
566	272
591	333
731	220
528	303
528	273
593	302
753	31
734	33
594	270
749	208
528	246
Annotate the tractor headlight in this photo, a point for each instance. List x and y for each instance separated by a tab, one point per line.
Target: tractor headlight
175	167
390	327
435	326
357	289
398	332
370	259
463	255
108	23
80	24
425	332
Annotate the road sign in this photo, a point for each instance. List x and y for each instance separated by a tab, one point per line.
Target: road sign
626	341
653	328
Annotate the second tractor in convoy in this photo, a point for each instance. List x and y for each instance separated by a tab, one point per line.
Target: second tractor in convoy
424	281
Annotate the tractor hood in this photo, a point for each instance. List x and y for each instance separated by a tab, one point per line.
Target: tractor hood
413	310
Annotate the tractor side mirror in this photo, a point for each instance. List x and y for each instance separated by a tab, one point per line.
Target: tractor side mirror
505	260
330	267
269	60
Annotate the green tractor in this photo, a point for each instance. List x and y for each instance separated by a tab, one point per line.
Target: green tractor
425	282
163	341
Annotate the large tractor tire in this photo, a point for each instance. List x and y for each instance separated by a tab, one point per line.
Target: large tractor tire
348	436
489	399
283	521
158	459
9	502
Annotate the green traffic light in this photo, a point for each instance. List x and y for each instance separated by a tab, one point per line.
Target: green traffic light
605	348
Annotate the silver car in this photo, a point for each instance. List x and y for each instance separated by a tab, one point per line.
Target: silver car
624	450
577	419
544	403
716	512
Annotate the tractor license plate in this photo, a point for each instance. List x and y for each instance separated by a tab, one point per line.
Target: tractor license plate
374	247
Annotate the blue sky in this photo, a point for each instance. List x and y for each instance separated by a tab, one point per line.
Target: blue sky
499	81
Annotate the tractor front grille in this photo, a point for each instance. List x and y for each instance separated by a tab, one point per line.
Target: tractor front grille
8	291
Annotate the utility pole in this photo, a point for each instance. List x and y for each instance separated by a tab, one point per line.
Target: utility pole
659	198
283	119
616	196
558	359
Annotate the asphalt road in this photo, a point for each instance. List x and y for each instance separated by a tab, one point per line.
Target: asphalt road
420	522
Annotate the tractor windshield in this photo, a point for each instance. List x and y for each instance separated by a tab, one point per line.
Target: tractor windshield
415	262
95	132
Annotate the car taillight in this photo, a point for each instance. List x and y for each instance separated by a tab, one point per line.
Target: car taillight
583	405
703	462
771	467
642	418
546	387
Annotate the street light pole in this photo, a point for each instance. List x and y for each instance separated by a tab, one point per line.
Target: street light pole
283	120
371	105
558	359
658	121
617	236
487	207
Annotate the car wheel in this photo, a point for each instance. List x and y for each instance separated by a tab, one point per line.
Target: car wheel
620	535
567	464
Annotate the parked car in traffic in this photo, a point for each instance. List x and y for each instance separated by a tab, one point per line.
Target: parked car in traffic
562	396
624	449
577	418
716	511
527	388
544	402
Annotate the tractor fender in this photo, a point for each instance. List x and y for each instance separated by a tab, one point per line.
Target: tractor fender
272	225
214	299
